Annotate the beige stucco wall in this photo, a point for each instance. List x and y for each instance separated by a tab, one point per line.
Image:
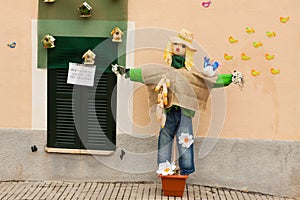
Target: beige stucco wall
268	106
15	76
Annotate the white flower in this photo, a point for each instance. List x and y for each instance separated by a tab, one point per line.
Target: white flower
114	68
186	140
166	168
237	78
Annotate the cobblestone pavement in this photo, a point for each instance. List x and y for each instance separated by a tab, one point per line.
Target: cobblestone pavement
135	191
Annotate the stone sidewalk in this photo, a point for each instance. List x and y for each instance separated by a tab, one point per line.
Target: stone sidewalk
135	191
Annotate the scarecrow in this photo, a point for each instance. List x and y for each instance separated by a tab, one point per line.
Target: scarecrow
181	91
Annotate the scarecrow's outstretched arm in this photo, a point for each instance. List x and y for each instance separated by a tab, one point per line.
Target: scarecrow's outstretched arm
223	80
236	78
134	74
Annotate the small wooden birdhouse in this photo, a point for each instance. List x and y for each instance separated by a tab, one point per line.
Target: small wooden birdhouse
89	57
116	34
49	1
85	10
48	41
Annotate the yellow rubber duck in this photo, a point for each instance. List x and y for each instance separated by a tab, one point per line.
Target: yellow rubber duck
254	72
245	57
284	19
275	71
271	34
257	44
250	30
232	40
228	57
269	56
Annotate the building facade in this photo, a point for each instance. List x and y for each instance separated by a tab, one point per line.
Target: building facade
248	139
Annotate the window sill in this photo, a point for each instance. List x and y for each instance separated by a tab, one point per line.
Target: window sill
78	151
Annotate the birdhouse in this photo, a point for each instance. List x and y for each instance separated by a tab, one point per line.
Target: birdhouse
48	41
49	1
116	34
89	57
85	10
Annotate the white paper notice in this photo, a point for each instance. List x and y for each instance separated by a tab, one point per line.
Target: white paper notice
80	74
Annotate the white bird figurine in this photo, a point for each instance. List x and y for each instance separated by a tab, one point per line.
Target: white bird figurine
210	67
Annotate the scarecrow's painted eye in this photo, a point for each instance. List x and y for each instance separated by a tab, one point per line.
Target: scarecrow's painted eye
183	46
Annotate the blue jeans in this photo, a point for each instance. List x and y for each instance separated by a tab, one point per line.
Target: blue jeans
176	124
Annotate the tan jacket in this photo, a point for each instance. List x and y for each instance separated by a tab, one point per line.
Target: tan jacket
189	89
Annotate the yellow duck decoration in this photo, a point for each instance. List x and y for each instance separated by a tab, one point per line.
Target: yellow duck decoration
254	72
270	34
245	57
269	56
284	19
275	71
250	30
257	44
232	40
228	57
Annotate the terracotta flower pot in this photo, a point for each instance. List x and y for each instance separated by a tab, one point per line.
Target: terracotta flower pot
173	185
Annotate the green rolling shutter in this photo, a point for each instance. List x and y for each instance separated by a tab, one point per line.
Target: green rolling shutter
81	117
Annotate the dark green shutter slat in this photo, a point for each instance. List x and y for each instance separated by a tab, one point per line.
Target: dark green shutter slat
62	131
68	104
99	115
66	134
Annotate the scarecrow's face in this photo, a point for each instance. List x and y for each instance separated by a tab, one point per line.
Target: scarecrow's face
179	49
